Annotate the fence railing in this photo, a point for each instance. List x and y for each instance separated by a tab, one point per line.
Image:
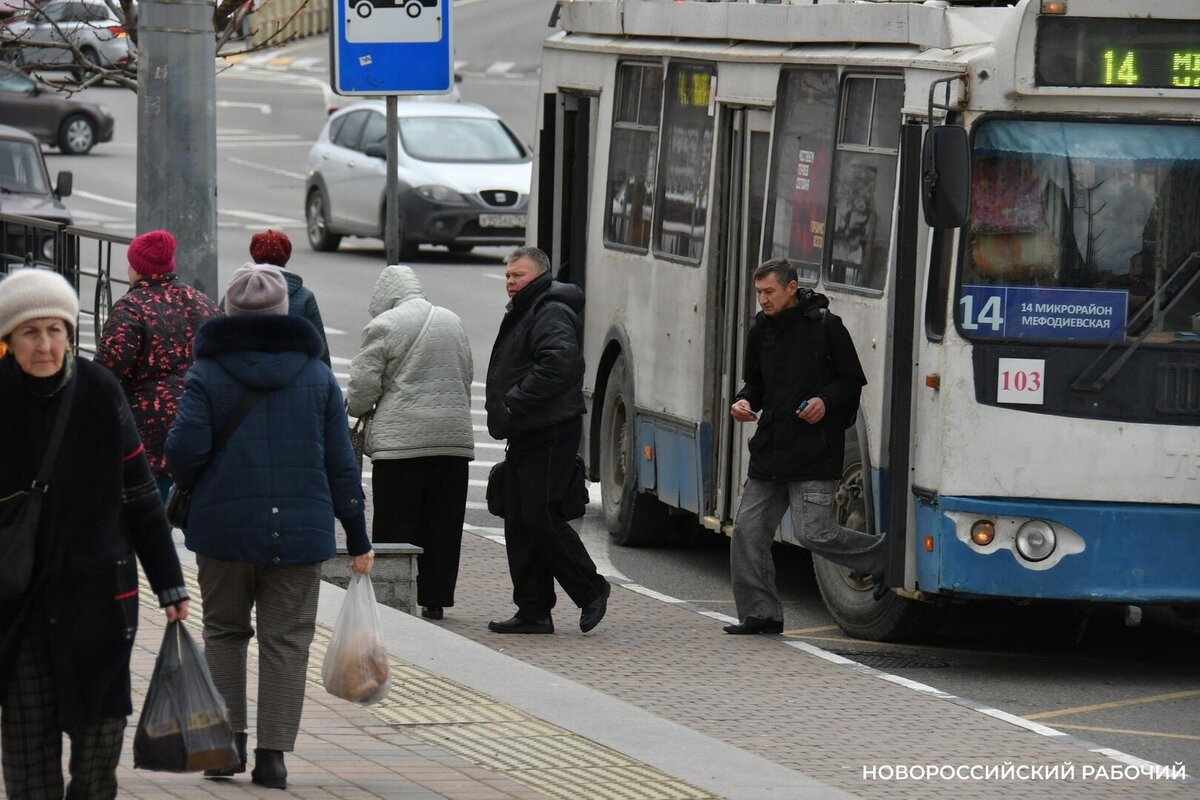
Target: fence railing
82	256
277	21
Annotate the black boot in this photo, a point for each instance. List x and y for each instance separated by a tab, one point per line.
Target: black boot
239	744
269	770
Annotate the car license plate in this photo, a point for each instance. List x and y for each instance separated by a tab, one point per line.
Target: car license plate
502	220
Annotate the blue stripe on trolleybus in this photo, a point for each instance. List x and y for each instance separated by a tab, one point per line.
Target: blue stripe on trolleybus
672	466
1130	552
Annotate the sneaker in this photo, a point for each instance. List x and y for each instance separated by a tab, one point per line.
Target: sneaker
518	625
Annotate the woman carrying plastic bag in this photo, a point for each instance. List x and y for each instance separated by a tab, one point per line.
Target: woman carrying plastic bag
356	663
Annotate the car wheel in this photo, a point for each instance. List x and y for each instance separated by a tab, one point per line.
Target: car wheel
413	9
80	74
76	135
13	56
364	10
319	237
460	249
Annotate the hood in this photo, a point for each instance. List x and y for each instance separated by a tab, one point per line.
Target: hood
396	284
261	352
294	282
543	287
808	304
42	206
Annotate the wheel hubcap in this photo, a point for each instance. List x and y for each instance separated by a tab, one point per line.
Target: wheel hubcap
619	447
316	218
79	135
850	505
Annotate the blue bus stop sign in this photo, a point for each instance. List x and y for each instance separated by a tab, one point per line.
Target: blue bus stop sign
391	47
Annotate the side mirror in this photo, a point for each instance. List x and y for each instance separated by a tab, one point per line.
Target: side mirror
66	181
946	176
376	150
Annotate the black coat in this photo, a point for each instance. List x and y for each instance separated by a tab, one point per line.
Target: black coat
102	508
535	376
790	359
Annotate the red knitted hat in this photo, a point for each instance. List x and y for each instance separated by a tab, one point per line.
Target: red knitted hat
271	247
152	253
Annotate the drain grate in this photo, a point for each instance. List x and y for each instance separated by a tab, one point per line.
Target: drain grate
884	660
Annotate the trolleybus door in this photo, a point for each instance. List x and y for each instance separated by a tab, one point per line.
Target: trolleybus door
741	183
563	181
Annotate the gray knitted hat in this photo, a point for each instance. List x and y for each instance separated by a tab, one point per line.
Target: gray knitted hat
36	293
256	289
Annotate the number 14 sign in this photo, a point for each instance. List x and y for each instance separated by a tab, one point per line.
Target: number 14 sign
1021	380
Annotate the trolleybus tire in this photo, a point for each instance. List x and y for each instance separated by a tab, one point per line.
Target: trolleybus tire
850	598
633	519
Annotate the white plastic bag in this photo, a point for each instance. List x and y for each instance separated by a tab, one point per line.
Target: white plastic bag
356	665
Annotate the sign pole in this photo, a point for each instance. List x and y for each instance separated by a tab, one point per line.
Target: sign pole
392	223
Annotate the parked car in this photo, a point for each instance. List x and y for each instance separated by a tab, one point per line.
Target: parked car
10	8
25	190
88	24
464	177
72	126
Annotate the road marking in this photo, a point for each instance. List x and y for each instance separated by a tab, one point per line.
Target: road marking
285	173
342	362
99	198
483	464
490	445
306	62
500	67
479	412
804	631
254	216
458	65
1098	729
336	332
1133	701
262	107
478	385
494	276
479	428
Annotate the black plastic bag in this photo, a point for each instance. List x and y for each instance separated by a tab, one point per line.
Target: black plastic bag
184	726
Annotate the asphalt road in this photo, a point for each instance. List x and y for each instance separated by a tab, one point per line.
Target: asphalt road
1133	689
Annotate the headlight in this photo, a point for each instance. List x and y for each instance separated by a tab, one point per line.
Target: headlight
106	111
48	248
983	532
441	194
1036	540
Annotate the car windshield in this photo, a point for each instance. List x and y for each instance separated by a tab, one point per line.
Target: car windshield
21	170
1082	231
462	139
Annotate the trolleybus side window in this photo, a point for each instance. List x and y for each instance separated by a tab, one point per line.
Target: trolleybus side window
865	181
633	150
685	163
805	123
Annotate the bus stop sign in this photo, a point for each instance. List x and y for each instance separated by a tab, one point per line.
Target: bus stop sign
391	47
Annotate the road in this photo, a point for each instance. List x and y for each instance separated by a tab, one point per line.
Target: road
1132	689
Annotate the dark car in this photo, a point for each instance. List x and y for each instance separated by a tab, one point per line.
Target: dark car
70	125
25	190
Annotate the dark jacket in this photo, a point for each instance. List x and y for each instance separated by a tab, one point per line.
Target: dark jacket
101	510
271	494
147	343
790	359
303	303
535	376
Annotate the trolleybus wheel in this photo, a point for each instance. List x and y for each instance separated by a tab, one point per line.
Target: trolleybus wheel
847	595
632	518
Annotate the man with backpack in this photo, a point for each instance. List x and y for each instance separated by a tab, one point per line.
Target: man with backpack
802	382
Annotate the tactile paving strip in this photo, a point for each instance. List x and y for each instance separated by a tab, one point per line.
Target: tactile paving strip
491	735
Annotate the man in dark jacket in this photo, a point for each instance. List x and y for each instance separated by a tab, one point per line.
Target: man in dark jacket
802	384
147	341
535	400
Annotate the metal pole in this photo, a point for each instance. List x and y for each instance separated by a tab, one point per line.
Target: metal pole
177	136
392	224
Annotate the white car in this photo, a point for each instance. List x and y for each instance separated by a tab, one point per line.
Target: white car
464	177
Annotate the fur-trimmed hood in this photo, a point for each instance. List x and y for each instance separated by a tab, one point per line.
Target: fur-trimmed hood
262	352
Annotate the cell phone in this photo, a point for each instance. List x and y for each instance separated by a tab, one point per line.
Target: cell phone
803	405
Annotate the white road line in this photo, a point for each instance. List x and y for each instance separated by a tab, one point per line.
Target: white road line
254	216
493	276
478	385
480	428
490	446
306	62
285	173
263	108
99	198
483	464
500	67
335	332
458	65
341	362
479	412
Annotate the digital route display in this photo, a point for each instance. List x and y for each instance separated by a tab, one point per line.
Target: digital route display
1118	53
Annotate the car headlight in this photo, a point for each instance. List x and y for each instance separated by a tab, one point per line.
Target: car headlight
1036	540
441	194
106	111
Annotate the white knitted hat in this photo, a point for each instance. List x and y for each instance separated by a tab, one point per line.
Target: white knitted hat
33	294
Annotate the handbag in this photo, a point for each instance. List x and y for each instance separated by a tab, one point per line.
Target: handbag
179	498
495	489
574	502
21	512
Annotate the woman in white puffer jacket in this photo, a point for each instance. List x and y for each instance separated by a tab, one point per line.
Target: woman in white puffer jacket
414	370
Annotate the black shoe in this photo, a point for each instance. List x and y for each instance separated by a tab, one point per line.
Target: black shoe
239	744
755	625
432	612
518	625
269	770
593	612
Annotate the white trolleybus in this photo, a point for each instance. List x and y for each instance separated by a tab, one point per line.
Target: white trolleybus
1002	201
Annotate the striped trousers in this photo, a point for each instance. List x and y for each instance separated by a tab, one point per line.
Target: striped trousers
285	601
32	737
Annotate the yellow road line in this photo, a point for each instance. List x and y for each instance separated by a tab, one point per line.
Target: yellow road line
1134	701
1097	729
805	631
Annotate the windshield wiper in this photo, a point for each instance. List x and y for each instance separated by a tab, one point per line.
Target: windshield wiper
1081	385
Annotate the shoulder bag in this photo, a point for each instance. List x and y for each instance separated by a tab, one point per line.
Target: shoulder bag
179	498
21	512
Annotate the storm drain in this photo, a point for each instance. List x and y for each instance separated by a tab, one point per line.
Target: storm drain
495	736
894	660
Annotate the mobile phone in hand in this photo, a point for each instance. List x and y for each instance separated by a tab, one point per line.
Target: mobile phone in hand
803	405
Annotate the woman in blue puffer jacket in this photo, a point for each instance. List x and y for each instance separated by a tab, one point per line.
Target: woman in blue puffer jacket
262	513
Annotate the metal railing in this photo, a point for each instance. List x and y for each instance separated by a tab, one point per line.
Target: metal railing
84	257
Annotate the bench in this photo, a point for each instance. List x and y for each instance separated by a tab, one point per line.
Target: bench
394	574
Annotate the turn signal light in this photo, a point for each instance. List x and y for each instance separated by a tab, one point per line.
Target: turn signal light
648	453
983	532
1054	6
928	543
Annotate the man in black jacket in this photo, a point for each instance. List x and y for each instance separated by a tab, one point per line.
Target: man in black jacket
802	384
535	400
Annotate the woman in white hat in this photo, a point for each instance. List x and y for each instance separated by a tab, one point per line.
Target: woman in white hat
66	638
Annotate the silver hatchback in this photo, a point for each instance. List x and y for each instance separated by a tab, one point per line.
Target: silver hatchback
90	25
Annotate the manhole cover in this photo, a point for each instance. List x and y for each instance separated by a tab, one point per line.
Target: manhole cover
884	660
